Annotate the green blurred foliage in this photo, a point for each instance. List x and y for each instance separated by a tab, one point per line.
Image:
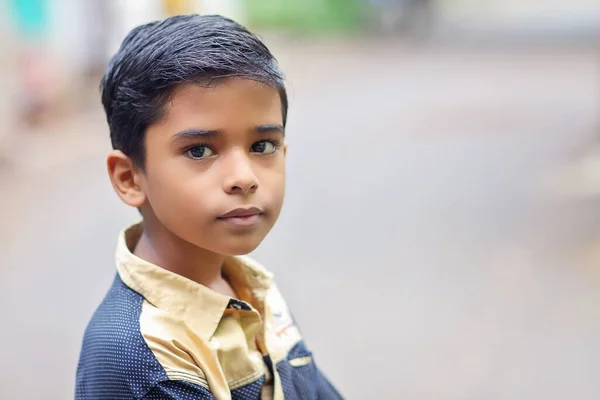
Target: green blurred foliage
304	16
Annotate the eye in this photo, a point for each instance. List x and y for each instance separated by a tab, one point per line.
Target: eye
199	152
264	147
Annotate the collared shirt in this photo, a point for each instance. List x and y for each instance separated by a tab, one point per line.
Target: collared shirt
158	335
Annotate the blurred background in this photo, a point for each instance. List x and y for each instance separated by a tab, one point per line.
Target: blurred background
441	232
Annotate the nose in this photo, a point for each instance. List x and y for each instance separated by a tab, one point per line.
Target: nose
240	177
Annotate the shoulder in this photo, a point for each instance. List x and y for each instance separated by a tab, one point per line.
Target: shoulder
132	349
115	361
282	330
298	373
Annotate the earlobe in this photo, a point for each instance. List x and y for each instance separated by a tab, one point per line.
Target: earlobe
125	179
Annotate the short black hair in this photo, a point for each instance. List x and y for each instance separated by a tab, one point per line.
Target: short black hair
156	57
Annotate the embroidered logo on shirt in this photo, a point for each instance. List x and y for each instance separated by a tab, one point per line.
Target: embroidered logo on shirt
281	322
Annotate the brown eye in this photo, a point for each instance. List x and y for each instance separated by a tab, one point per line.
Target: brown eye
199	152
264	147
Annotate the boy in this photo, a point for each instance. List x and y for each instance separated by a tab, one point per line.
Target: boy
196	107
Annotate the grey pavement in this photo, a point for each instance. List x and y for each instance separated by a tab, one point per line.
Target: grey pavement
418	249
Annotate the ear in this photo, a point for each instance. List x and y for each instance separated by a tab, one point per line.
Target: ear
126	179
285	147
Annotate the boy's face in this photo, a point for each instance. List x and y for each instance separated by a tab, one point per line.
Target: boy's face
215	172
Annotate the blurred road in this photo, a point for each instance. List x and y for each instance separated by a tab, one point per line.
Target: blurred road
420	251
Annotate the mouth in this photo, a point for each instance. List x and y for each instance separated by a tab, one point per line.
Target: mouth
242	217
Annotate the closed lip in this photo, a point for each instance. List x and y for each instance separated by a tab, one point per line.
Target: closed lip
242	212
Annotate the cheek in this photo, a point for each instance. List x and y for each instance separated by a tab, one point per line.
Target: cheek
179	193
274	183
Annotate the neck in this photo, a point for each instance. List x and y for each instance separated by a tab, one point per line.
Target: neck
160	247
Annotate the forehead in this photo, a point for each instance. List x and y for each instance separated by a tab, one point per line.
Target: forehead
231	104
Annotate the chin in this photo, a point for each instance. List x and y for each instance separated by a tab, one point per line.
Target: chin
239	249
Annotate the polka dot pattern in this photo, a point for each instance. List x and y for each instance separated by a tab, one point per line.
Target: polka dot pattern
180	390
115	362
247	392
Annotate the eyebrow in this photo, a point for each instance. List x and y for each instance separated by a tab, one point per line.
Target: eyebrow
196	133
211	133
270	128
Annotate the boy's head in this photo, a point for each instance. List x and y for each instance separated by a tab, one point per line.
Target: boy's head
196	107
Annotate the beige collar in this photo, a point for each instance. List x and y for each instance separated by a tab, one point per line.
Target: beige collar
198	306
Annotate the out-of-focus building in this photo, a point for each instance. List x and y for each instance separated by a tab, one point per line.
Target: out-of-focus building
79	36
542	18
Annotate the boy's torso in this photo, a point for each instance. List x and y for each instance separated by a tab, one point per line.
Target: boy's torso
155	328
